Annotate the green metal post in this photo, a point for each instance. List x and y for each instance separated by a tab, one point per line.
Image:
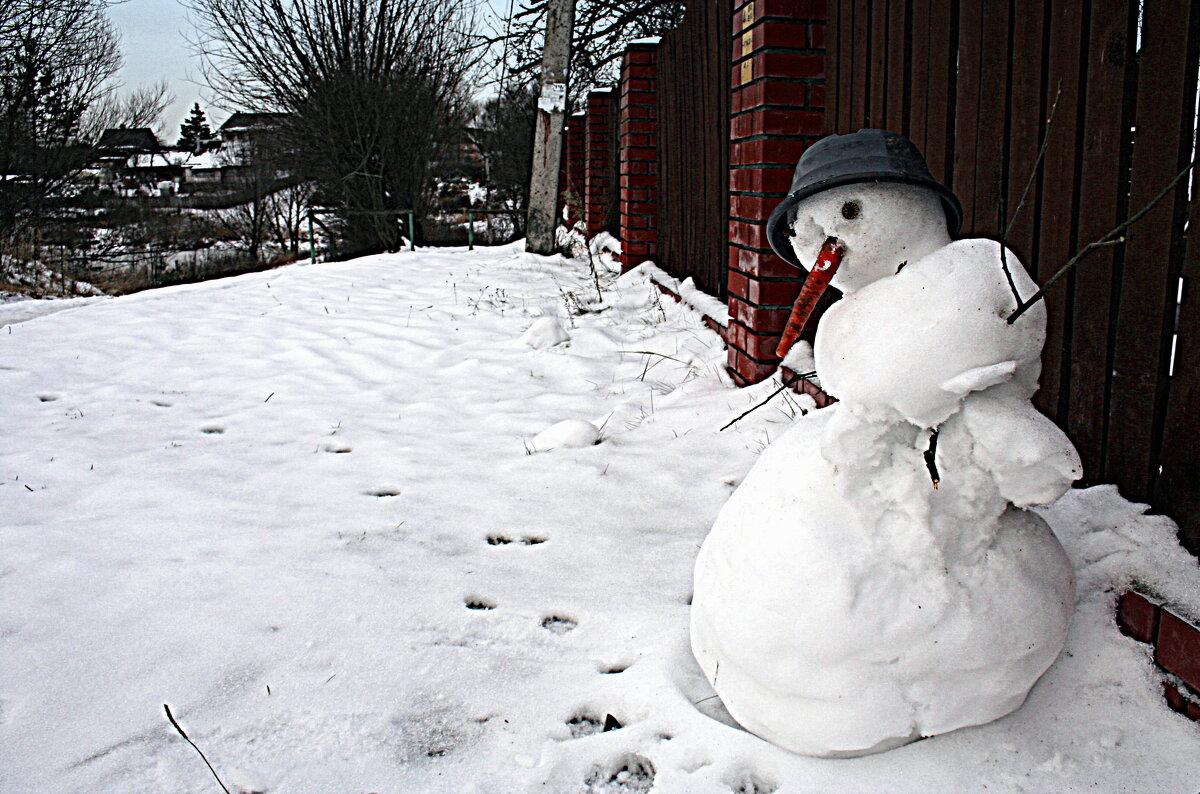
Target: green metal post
312	241
470	231
412	233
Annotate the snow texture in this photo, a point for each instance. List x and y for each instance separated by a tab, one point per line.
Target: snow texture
846	602
298	507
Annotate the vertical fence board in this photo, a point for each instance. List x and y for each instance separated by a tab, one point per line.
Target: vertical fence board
920	73
1103	187
968	120
941	99
1145	320
845	54
877	104
1027	113
990	157
1177	491
1059	191
899	61
858	110
832	84
693	147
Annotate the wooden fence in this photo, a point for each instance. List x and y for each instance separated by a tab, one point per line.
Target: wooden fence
693	146
973	83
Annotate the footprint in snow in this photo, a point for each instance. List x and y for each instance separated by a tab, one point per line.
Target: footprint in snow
746	781
478	603
47	398
381	493
335	449
212	430
557	624
589	723
629	773
504	540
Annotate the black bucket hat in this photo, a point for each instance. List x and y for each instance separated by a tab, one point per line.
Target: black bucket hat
863	156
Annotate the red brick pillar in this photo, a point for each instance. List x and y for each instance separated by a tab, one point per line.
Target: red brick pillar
597	190
777	110
639	154
573	170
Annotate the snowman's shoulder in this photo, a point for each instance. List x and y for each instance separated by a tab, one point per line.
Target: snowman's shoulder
976	260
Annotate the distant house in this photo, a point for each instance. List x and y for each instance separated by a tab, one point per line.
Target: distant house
117	146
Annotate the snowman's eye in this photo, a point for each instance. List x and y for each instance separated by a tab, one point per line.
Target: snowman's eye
851	210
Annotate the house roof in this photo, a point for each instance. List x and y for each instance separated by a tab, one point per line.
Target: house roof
247	121
136	138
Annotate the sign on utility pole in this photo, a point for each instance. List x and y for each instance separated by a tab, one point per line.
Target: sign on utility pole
547	142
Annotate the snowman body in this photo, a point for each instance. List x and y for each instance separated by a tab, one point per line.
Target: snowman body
843	605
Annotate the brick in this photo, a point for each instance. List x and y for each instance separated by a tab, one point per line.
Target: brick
776	63
776	121
816	36
638	235
774	150
638	126
1137	616
752	207
639	84
639	222
753	235
640	53
639	153
769	92
639	208
737	285
816	95
758	318
761	180
771	293
763	265
629	180
638	71
791	9
776	35
747	369
714	326
1178	647
1175	699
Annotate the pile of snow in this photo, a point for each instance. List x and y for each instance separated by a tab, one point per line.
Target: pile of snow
298	506
567	433
545	332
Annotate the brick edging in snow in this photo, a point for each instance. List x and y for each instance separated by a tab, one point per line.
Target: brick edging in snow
1176	642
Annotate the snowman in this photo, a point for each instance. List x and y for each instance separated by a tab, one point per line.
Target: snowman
877	577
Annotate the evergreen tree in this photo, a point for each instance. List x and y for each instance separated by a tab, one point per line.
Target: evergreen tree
194	131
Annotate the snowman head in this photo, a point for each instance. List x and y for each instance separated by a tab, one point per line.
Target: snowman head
854	182
880	226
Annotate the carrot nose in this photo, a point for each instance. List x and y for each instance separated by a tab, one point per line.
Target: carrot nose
826	265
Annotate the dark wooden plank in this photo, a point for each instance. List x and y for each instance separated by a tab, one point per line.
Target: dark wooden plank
832	79
1145	319
858	97
845	65
1103	184
942	101
919	86
990	160
898	63
877	101
1027	114
968	119
1059	196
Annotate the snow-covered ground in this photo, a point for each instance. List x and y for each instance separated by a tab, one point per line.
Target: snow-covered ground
305	509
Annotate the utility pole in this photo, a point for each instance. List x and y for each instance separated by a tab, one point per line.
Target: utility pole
547	142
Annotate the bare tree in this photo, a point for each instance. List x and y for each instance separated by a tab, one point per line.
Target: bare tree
602	30
56	60
371	89
141	107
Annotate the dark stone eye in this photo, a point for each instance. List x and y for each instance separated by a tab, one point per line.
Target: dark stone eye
851	210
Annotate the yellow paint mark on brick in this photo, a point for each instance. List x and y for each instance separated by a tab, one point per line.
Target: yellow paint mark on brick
747	42
747	71
748	14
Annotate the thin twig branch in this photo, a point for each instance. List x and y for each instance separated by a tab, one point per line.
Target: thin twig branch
1037	163
790	382
1112	238
171	717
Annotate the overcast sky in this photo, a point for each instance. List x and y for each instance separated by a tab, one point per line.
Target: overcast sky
155	48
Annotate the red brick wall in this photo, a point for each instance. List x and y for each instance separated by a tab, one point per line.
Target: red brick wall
573	167
639	156
778	81
597	145
1176	644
